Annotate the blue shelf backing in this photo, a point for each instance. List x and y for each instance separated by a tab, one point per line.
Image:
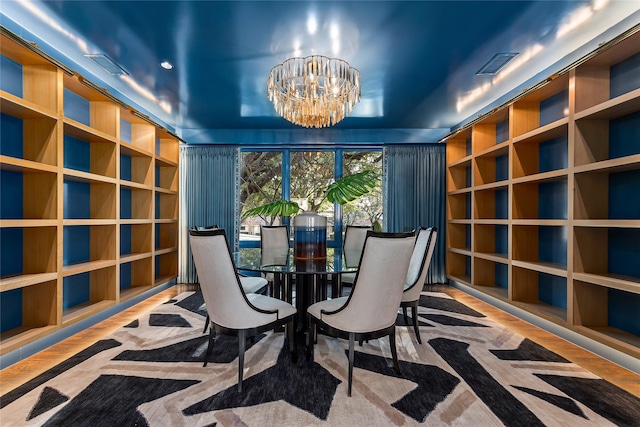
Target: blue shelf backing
502	168
624	251
11	80
467	235
467	266
467	206
502	131
552	244
624	76
554	108
624	311
77	154
11	135
502	275
77	244
157	206
467	176
11	250
157	236
125	275
10	309
125	131
624	136
502	239
125	203
77	108
125	239
553	154
76	290
125	167
552	200
77	200
502	203
621	186
552	290
468	146
11	195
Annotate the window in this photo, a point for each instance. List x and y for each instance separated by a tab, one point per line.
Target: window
303	177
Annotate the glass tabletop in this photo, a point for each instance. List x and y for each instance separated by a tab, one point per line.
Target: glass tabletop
282	261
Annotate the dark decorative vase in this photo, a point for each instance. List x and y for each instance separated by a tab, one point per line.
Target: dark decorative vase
310	236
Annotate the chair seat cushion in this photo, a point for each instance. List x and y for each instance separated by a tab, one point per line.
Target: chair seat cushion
327	305
252	285
267	303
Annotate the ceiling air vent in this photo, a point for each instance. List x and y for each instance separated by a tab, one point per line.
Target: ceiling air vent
496	63
107	64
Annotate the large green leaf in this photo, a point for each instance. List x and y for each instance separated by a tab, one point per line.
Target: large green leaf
351	187
277	208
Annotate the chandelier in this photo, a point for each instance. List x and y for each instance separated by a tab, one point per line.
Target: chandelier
315	91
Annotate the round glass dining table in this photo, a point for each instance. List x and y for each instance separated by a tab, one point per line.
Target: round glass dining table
311	275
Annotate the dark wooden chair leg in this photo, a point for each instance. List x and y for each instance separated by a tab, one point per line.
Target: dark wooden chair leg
414	317
241	347
310	339
293	345
209	347
404	313
351	344
206	324
394	350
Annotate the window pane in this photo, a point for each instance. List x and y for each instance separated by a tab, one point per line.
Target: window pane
260	183
311	174
365	210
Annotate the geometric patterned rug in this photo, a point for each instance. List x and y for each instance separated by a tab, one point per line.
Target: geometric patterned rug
469	371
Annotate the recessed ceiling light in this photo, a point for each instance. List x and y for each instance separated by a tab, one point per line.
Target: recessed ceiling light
166	65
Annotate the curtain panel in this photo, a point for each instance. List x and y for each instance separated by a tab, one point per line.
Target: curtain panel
209	189
415	190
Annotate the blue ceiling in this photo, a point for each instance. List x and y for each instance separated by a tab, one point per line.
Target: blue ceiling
417	59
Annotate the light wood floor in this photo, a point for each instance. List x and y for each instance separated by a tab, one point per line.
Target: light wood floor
21	372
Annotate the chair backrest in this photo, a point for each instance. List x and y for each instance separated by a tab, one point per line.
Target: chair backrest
354	236
274	236
377	290
208	227
227	304
420	261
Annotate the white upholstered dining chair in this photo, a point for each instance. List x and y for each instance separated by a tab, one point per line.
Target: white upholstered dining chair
231	311
354	236
274	237
371	309
417	273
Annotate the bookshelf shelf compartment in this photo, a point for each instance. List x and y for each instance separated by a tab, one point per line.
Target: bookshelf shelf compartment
135	239
166	206
166	267
87	244
33	139
136	274
459	267
540	244
492	166
92	199
490	131
166	236
166	176
607	252
491	203
28	194
135	203
542	293
27	251
546	105
459	236
491	239
546	199
135	167
459	206
603	194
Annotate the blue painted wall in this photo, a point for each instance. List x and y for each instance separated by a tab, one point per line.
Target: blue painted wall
553	154
502	239
125	275
10	309
502	131
467	236
11	191
77	108
502	168
75	290
11	73
624	76
11	136
554	108
77	200
125	131
552	290
467	206
77	244
624	311
624	136
622	188
125	203
552	244
77	154
125	167
125	239
502	275
11	250
502	203
157	236
624	251
552	200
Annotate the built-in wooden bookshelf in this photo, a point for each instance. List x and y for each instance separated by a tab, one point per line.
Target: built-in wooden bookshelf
543	199
89	212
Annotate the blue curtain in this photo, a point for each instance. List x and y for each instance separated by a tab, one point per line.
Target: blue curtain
209	188
415	189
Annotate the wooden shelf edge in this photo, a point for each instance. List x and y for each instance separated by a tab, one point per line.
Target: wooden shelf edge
165	220
157	252
494	291
612	337
460	191
556	175
611	165
24	280
542	133
166	161
135	257
494	151
460	221
165	191
75	128
14	163
546	311
134	150
499	258
21	223
607	223
465	280
132	291
135	185
461	162
83	267
164	279
485	221
81	176
20	107
541	222
542	267
72	222
82	311
612	108
623	283
492	186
